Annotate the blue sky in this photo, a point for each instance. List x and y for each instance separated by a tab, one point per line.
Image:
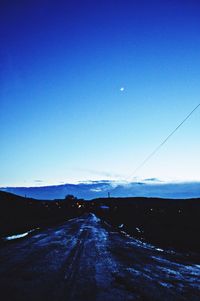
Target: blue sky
63	116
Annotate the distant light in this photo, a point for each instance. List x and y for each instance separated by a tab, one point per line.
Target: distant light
122	89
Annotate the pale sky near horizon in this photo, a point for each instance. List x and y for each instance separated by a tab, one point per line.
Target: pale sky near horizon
89	88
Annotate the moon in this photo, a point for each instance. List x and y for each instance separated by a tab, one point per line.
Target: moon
122	89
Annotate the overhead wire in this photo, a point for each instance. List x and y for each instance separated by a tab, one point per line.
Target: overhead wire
164	141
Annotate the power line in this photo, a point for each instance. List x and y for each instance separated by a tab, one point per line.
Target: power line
165	140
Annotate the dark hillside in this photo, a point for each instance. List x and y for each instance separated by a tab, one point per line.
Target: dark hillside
18	214
164	222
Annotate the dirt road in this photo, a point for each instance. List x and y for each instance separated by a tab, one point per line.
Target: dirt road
87	260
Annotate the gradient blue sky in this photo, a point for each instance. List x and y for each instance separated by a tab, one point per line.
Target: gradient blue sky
63	116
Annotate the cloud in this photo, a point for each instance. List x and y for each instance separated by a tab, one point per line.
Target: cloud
154	180
93	189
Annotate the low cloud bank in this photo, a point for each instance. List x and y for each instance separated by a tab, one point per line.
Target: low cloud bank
95	189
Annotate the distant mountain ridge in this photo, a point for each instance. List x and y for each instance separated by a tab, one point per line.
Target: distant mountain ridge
95	189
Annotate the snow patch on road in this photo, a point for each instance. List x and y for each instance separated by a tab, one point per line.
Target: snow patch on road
17	236
94	218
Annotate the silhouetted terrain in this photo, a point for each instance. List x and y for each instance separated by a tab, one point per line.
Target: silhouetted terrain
167	223
164	222
81	250
18	214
